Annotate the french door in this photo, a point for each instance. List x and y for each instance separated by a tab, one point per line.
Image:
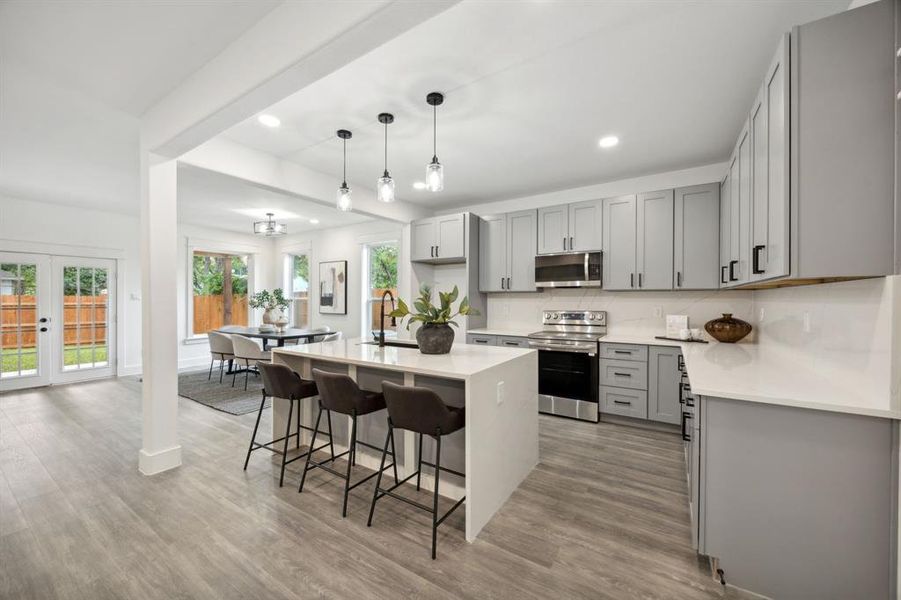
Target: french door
57	315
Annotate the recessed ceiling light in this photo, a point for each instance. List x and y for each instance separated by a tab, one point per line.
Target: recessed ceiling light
269	120
419	185
608	141
314	221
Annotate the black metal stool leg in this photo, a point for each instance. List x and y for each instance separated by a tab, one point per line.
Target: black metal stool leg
221	364
234	376
353	446
246	373
255	427
435	502
281	477
331	442
393	453
419	464
306	466
212	362
378	478
297	441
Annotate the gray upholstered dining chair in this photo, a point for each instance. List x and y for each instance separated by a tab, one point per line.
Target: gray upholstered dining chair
337	335
221	349
249	352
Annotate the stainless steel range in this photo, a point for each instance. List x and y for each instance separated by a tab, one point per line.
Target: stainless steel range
568	362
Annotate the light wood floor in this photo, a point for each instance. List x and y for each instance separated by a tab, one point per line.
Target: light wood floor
604	515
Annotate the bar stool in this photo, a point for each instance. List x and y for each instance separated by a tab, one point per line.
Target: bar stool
281	382
421	411
340	393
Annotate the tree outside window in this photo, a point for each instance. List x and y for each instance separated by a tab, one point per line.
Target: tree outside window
381	275
220	290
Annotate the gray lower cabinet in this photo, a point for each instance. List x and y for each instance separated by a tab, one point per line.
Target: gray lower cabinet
624	351
623	373
663	385
481	339
696	232
654	240
512	341
624	402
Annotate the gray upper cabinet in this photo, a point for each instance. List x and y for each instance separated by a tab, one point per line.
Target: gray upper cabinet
553	229
737	267
585	226
619	246
507	245
493	253
725	228
696	231
439	239
570	227
769	172
654	240
663	385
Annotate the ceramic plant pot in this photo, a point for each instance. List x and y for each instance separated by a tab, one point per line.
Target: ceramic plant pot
435	338
727	329
270	316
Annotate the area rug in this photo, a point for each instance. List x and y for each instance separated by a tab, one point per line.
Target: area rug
222	396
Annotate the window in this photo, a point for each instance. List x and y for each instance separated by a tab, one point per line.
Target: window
380	275
220	290
297	287
85	322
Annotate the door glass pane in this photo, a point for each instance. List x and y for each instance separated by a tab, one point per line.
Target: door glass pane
85	317
18	320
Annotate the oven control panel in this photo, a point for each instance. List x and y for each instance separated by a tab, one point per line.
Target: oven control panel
575	317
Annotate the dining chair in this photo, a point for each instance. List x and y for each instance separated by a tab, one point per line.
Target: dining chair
337	335
221	349
249	352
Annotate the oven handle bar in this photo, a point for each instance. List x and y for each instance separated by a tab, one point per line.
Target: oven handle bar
555	348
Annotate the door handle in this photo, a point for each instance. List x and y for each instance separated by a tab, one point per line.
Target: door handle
44	320
755	260
43	329
732	276
723	275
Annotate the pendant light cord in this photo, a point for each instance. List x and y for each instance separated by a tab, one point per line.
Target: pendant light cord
386	148
344	178
434	131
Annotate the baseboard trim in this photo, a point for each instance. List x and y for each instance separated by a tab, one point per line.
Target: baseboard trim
157	462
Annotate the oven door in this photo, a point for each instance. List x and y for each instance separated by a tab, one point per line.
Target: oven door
568	384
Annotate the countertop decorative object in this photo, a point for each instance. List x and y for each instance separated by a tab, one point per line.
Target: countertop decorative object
435	336
727	329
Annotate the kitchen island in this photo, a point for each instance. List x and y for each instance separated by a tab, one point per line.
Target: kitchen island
498	386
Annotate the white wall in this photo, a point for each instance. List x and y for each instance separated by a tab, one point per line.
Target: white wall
343	243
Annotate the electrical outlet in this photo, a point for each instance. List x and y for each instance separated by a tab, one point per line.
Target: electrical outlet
761	315
500	392
658	311
806	322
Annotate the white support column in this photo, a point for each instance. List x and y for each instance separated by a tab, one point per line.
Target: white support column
160	450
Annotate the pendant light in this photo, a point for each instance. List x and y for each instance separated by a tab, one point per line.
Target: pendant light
434	171
385	184
343	194
269	227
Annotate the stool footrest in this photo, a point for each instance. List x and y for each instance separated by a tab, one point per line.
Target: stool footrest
445	469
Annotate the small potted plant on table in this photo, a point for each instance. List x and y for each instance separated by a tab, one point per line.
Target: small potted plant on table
435	336
273	304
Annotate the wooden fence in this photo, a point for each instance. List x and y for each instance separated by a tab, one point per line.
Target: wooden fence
209	312
84	320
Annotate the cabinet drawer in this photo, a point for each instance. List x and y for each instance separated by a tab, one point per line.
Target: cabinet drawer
624	373
482	340
513	342
624	352
625	402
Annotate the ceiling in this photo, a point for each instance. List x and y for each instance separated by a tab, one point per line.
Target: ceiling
126	54
206	198
530	90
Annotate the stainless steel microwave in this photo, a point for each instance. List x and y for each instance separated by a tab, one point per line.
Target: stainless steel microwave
568	269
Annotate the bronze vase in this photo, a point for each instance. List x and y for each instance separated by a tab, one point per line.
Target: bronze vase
727	328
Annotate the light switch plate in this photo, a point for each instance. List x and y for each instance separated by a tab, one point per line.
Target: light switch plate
500	392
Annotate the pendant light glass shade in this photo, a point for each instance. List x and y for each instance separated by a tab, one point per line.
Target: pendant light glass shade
434	171
385	184
342	196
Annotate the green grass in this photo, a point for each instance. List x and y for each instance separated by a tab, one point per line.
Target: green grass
72	355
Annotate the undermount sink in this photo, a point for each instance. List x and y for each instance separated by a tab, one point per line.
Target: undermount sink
393	343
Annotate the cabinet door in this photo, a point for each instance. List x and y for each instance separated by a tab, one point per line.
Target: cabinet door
663	385
696	232
725	229
619	243
522	239
422	240
654	241
553	229
769	167
743	204
585	226
493	253
451	237
481	340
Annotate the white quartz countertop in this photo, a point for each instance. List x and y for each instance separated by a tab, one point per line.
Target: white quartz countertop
756	374
463	361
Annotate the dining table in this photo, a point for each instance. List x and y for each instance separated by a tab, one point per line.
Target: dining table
279	337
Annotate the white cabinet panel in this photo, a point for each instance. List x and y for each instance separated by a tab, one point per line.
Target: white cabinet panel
521	228
493	253
423	236
553	229
654	240
663	385
451	237
696	231
585	226
619	243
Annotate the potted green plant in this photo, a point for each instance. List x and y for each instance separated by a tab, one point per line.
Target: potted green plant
272	303
435	336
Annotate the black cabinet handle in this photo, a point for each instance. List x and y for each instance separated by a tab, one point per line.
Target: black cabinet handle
755	260
480	341
639	279
629	352
732	276
685	435
622	402
511	344
432	251
508	283
564	242
723	275
678	279
502	283
43	319
436	251
570	243
622	374
680	362
43	329
632	280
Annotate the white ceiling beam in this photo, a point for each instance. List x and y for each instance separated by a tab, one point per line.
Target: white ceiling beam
264	170
288	49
